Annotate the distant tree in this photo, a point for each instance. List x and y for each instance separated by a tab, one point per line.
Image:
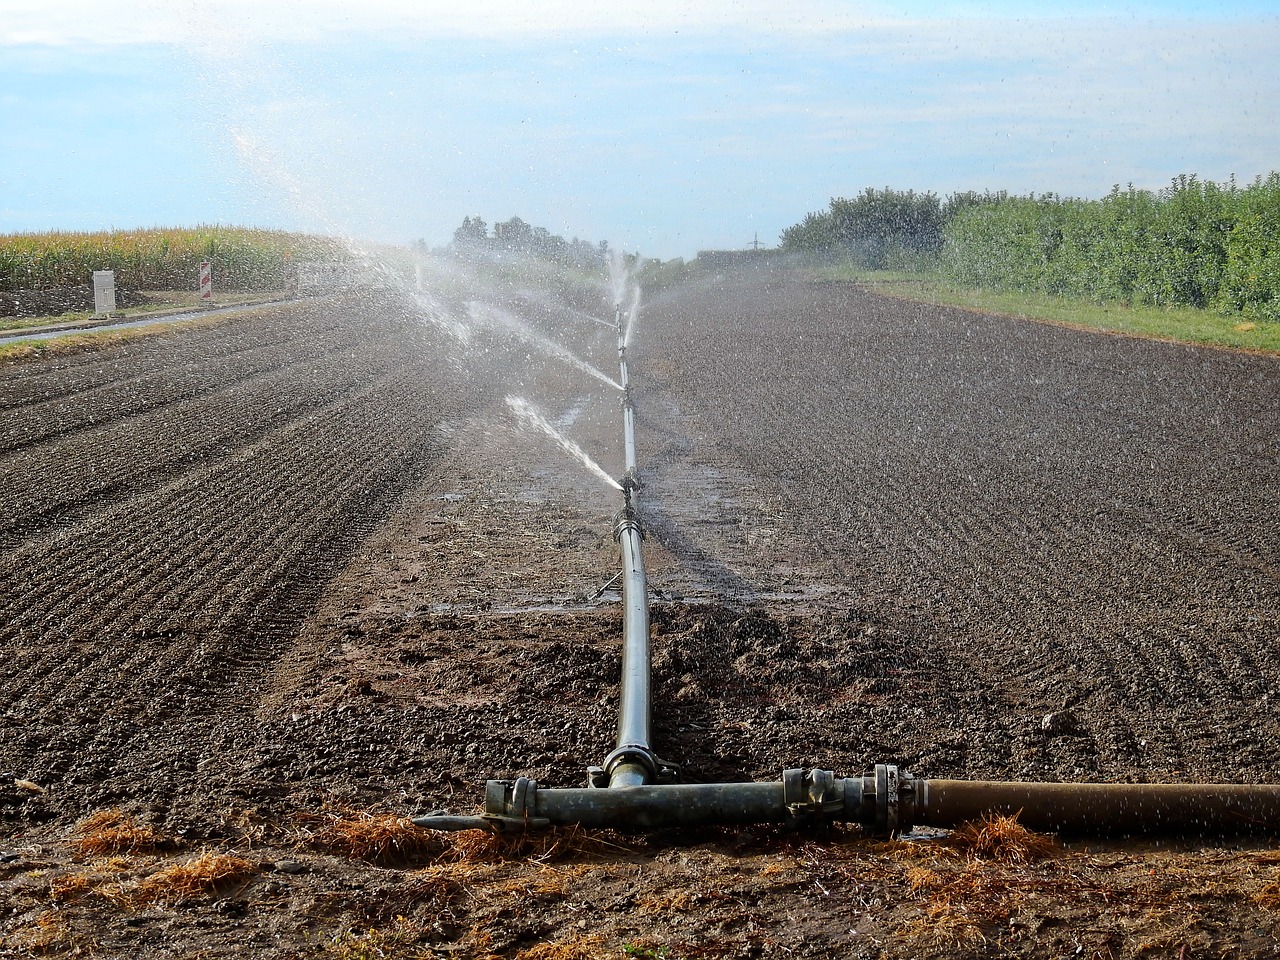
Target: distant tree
877	224
877	228
472	230
517	236
514	234
958	203
815	233
883	227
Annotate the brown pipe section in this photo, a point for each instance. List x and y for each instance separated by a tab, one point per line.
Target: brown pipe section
1100	808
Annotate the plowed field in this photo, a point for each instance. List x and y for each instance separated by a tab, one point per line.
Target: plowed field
268	583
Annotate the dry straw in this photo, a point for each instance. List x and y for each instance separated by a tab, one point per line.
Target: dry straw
184	882
1003	839
110	832
384	839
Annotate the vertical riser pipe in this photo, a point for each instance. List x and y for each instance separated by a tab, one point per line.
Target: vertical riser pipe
634	701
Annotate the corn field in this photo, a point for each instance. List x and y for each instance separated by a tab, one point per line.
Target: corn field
1196	243
243	259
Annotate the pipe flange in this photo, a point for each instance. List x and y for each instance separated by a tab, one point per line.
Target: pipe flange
511	799
888	799
887	796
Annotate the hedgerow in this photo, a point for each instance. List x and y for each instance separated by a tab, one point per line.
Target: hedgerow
1196	243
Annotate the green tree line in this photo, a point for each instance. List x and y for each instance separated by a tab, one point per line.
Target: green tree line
1195	243
516	236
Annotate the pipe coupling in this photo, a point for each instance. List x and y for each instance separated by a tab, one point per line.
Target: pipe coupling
626	522
509	806
512	805
810	794
634	755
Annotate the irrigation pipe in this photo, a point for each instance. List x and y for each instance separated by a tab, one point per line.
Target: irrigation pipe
633	762
884	801
626	792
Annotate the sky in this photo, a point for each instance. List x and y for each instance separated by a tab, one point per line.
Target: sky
662	127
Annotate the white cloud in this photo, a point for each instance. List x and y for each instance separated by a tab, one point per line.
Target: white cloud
115	22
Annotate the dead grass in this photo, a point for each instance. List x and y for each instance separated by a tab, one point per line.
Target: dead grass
184	882
959	906
1004	840
923	879
71	886
545	846
587	947
945	927
383	839
386	840
73	342
548	881
778	868
435	884
1269	896
102	877
681	901
47	934
397	942
696	893
113	831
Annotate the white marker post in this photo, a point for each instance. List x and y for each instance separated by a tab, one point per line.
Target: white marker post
206	280
104	292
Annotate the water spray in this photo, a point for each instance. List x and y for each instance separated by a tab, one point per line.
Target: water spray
496	317
633	789
527	413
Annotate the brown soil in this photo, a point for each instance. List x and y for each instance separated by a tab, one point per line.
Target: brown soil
271	586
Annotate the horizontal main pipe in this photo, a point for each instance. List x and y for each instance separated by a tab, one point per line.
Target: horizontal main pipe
655	806
1102	808
885	802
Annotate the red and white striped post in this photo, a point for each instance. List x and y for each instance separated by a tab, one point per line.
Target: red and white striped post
206	280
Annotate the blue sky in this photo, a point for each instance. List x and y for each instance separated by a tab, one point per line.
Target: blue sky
662	127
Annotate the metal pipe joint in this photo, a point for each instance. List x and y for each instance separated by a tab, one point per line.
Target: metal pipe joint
625	523
800	797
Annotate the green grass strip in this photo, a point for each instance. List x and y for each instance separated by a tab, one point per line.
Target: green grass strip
1179	324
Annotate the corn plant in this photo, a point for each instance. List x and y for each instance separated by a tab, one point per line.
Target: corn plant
243	259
